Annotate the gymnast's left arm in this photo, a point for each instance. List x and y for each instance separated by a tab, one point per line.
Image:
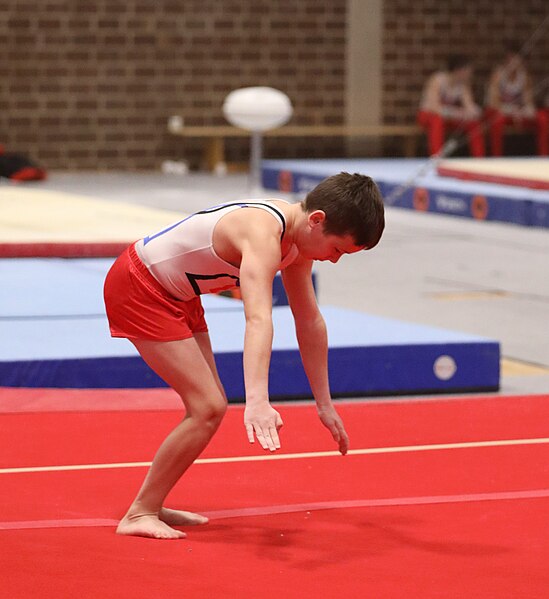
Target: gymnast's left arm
313	345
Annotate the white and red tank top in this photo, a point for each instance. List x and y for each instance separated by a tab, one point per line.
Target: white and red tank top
511	89
182	258
450	94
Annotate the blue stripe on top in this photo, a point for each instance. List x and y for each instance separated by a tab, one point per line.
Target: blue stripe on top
214	209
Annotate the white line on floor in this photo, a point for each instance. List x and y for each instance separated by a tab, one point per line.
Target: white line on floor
290	456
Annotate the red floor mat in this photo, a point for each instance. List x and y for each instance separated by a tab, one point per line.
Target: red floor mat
473	551
44	438
464	549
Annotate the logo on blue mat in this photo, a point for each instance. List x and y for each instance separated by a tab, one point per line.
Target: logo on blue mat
444	367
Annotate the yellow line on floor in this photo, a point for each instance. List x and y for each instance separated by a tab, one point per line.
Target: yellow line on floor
480	294
290	456
510	367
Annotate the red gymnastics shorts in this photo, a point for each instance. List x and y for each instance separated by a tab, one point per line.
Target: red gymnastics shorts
138	307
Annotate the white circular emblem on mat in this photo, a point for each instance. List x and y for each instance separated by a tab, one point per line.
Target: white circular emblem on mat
444	367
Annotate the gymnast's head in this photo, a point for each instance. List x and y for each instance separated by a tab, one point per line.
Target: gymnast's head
345	214
460	67
513	60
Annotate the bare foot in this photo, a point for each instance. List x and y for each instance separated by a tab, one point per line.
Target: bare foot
147	525
180	518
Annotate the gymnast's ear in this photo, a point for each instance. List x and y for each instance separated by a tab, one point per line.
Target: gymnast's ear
316	218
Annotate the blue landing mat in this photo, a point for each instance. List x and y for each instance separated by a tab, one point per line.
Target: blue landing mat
55	335
59	287
429	192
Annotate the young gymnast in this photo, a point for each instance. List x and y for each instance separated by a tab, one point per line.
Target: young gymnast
152	297
447	102
511	101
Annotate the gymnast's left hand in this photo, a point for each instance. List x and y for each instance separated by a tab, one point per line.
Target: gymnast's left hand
332	421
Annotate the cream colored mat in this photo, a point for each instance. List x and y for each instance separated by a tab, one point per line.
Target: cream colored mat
533	169
36	215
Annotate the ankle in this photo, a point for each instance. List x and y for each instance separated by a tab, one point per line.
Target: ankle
132	516
138	510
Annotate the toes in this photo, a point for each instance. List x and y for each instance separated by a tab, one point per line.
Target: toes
194	519
169	535
181	518
149	527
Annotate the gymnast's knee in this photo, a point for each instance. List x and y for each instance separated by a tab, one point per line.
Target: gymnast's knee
209	412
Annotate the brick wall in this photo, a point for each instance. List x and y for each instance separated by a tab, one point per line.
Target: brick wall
90	84
418	36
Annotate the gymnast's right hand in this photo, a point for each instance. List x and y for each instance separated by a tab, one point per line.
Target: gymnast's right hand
263	420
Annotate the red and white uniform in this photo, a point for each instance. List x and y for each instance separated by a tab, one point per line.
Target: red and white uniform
511	92
450	95
182	257
512	105
447	110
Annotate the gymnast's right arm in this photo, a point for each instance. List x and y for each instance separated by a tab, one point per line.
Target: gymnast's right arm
260	261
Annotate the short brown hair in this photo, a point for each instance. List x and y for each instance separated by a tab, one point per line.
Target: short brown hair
455	62
353	206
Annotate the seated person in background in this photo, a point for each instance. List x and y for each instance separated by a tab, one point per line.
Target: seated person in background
447	102
511	101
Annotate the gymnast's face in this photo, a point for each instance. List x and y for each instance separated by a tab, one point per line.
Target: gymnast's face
317	244
463	75
513	62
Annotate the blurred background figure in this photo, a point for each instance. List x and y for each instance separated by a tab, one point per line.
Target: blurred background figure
511	102
447	103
